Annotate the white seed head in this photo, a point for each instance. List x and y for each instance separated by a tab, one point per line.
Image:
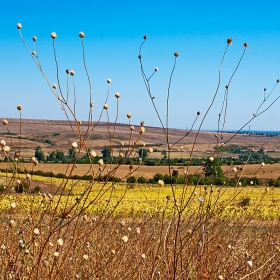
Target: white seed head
239	184
28	176
109	81
121	155
3	143
12	223
72	73
34	53
74	145
251	182
250	263
34	38
13	205
221	277
92	154
19	26
85	257
161	182
56	254
105	106
262	164
150	150
53	35
101	162
60	242
50	244
5	122
132	127
143	256
211	159
138	230
36	231
113	252
118	95
129	115
54	86
18	182
156	69
7	149
141	130
124	238
19	107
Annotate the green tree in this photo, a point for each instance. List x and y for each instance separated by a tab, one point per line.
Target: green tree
213	170
72	153
39	153
106	153
143	153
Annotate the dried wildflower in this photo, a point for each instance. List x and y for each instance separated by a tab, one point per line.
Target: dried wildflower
150	150
198	113
189	231
124	238
18	182
34	53
60	242
105	106
262	164
161	182
7	149
19	107
176	54
3	247
85	257
34	38
239	184
3	143
143	256
91	104
5	122
132	127
101	162
56	254
109	81
67	71
141	130
54	86
36	231
53	35
129	115
72	73
13	205
129	228
221	277
137	230
277	81
245	45
81	34
156	69
229	41
251	183
142	123
145	37
121	155
211	159
74	145
50	244
250	263
92	154
19	26
12	223
234	169
113	252
118	95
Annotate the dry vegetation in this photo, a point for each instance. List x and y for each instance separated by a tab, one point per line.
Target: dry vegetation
73	229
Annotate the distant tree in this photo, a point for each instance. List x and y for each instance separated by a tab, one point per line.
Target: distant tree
39	153
72	153
106	153
143	153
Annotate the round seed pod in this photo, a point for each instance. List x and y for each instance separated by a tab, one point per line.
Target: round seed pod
81	34
53	35
176	54
19	107
19	26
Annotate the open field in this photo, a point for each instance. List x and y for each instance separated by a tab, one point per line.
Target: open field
60	135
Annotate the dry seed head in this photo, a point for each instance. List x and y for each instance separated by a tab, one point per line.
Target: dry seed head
211	159
262	164
139	56
18	182
5	122
118	95
176	54
19	26
129	115
150	150
13	205
56	254
54	86
53	35
28	176
105	106
251	183
67	71
81	34
129	228
245	45
198	113
101	162
12	223
124	238
109	81
7	149
85	257
3	143
19	107
36	231
74	145
72	73
121	155
277	80
92	154
91	104
137	230
229	41
50	244
161	183
142	123
142	130
250	263
221	277
113	252
143	256
34	38
60	242
189	231
145	37
132	127
156	69
34	53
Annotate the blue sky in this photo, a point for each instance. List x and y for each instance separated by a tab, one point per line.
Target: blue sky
114	30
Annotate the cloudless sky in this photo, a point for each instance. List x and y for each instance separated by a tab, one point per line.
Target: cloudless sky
114	30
